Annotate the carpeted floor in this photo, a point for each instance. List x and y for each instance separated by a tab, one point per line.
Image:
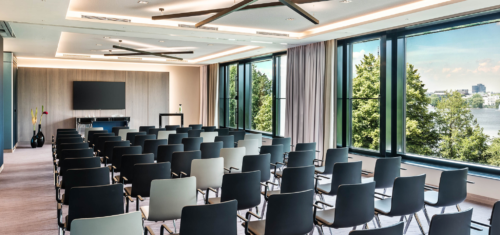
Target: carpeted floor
28	206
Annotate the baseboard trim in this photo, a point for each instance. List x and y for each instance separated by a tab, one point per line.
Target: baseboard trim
10	150
1	168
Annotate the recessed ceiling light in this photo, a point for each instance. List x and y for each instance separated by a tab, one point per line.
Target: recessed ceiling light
98	45
262	42
284	43
346	1
290	19
106	37
143	2
162	41
210	44
232	39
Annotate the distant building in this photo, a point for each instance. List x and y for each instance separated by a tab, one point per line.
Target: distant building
490	99
440	93
479	88
463	91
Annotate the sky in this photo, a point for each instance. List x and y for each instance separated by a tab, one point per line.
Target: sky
265	67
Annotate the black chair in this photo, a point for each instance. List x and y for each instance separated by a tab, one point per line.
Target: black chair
386	170
154	131
238	135
107	152
354	206
396	229
192	143
407	199
208	128
102	140
287	213
210	150
333	156
65	146
243	187
227	141
171	127
63	136
306	146
285	142
144	174
74	153
95	138
131	135
196	126
451	223
91	135
494	227
165	152
300	158
222	131
145	128
116	129
118	152
452	191
276	152
72	140
78	163
94	201
65	130
343	173
176	138
140	139
82	177
258	163
183	130
127	166
181	162
195	133
151	146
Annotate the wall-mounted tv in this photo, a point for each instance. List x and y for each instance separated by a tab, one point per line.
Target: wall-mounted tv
98	95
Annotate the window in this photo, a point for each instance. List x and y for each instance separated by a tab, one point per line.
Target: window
261	96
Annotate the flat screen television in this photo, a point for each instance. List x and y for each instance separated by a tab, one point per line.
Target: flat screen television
98	95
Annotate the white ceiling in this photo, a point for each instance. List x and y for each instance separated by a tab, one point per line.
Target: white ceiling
44	29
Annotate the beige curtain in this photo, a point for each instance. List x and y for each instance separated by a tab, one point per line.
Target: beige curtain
213	84
330	105
204	95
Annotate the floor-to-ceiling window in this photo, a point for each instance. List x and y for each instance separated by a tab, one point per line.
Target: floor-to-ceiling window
261	82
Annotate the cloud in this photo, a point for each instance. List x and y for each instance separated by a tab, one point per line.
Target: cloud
456	70
498	23
446	70
359	54
449	75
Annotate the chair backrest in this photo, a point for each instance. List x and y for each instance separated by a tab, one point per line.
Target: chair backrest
84	177
451	223
75	153
233	157
128	162
145	173
71	140
102	140
396	229
165	152
95	201
227	140
73	132
151	146
116	129
238	135
65	130
154	131
209	137
64	136
208	128
91	129
333	156
183	130
139	139
131	135
169	196
285	142
95	137
91	133
63	147
181	161
276	152
354	205
495	219
208	172
217	219
258	163
305	146
290	213
257	137
386	170
223	131
163	135
109	148
407	195
243	187
251	146
171	127
345	173
210	150
192	143
452	187
196	126
195	133
297	179
79	163
301	158
123	133
123	224
118	152
145	128
176	138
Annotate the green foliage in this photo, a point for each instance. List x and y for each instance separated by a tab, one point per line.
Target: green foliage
232	95
264	117
497	103
494	151
476	101
261	90
435	99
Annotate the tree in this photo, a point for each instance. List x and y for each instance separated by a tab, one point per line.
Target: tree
264	118
434	100
497	103
494	151
476	101
261	88
233	103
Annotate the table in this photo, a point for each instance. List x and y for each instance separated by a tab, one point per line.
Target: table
172	114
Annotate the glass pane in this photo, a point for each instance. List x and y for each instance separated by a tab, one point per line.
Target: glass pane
261	96
365	128
233	93
453	90
282	94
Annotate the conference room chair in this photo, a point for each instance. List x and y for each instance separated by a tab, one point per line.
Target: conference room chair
123	224
333	156
74	153
82	177
140	139
176	138
305	146
93	201
210	150
181	162
386	170
91	133
168	198
494	226
116	129
131	135
297	159
127	166
72	140
343	173
238	135
65	146
395	229
227	140
276	152
258	163
208	128
65	130
123	133
64	136
183	130
144	174
95	138
196	126
192	143
195	133
452	191
286	143
146	128
163	135
222	131
107	150
99	147
171	127
251	146
218	219
458	223
165	152
233	159
208	173
257	137
91	129
354	207
76	163
154	131
118	152
151	146
208	137
407	199
287	213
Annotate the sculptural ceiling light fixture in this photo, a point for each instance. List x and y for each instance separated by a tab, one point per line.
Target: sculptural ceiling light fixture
141	52
243	5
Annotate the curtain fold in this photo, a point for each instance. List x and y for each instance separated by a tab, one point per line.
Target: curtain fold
330	105
204	95
213	84
305	79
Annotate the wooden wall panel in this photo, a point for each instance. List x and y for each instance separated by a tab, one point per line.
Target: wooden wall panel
59	100
34	95
137	98
158	97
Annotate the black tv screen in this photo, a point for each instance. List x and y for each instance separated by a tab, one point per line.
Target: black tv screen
98	95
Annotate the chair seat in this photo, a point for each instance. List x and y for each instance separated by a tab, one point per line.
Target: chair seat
257	227
214	200
325	188
269	193
128	191
279	173
319	169
145	211
486	231
367	180
431	197
326	216
383	206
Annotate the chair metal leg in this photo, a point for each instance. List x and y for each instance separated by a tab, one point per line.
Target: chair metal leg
320	230
354	228
458	208
330	230
402	219
175	228
442	210
408	223
257	210
374	224
264	208
322	198
427	216
378	221
366	226
419	224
